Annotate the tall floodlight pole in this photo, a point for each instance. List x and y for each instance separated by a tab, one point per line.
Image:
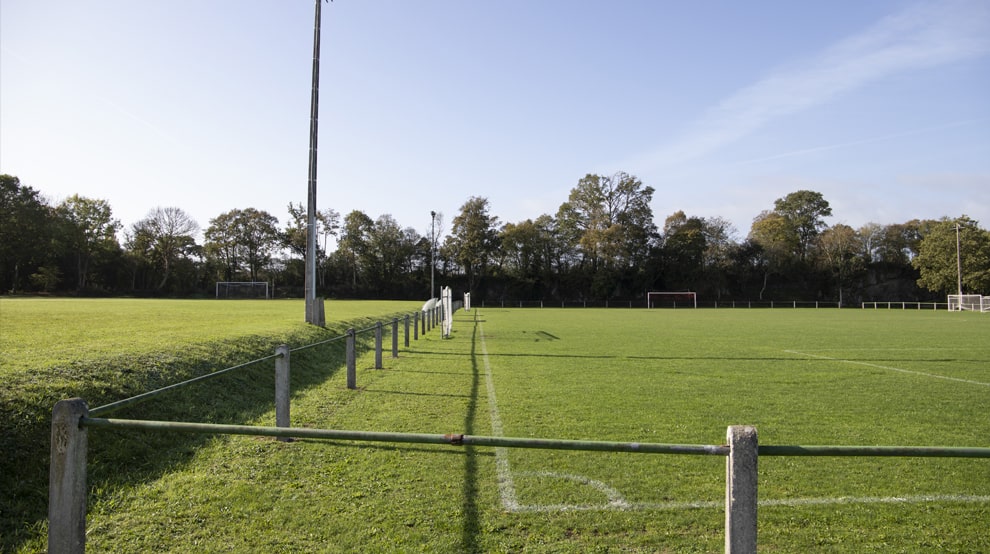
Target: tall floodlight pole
433	248
958	262
314	315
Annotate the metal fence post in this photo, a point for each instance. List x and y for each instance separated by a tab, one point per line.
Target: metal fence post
416	326
67	478
282	388
378	345
395	337
351	361
407	330
741	490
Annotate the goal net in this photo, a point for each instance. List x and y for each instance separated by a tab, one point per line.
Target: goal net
657	299
242	289
969	302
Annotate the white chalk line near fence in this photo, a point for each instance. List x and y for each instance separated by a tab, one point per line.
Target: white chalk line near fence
889	368
506	487
614	501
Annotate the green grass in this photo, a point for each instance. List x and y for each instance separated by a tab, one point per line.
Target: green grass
801	376
41	333
104	350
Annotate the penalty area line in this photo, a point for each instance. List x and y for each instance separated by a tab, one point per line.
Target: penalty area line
615	500
889	368
769	503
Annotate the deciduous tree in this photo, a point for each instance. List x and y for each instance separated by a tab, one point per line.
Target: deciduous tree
804	210
164	237
938	263
92	232
25	231
474	239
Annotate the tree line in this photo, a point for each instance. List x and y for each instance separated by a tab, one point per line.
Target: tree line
602	244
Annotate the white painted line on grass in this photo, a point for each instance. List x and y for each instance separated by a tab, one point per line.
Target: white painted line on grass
867	364
616	502
921	499
506	487
785	502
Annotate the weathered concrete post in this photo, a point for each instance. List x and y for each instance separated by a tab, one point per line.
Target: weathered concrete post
416	327
378	345
351	361
741	490
395	337
407	330
67	478
282	389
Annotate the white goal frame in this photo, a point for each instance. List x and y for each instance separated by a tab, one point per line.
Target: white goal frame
227	286
692	302
969	302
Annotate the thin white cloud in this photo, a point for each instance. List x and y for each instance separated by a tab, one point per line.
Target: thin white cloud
924	35
870	140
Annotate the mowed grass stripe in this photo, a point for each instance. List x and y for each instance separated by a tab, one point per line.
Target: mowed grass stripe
660	385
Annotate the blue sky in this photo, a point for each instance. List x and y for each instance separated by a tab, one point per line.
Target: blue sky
722	107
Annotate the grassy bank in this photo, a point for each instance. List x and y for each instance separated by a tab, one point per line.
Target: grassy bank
107	349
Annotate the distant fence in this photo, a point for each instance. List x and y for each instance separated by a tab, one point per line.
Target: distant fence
905	305
770	304
72	418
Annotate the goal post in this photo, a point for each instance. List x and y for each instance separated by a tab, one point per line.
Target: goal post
242	289
969	302
664	299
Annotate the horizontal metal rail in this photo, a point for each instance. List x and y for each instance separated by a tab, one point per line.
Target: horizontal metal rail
548	444
882	451
371	436
114	406
320	343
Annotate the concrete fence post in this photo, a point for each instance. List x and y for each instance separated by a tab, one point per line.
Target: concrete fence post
395	337
67	478
378	345
282	389
416	326
407	331
351	361
741	490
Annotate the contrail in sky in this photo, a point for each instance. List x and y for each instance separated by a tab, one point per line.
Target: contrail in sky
872	140
924	35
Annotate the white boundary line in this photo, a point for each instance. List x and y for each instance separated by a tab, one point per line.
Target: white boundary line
615	500
506	487
867	364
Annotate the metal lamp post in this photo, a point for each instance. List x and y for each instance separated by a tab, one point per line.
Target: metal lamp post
433	248
314	306
958	262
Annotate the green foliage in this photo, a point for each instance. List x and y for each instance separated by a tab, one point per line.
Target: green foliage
242	242
91	233
163	240
473	240
613	217
804	210
942	261
24	232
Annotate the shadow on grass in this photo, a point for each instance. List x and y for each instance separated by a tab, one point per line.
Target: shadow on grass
408	393
471	526
119	459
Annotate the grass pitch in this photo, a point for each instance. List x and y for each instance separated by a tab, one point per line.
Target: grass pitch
859	377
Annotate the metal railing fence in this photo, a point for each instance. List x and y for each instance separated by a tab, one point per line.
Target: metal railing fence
72	419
